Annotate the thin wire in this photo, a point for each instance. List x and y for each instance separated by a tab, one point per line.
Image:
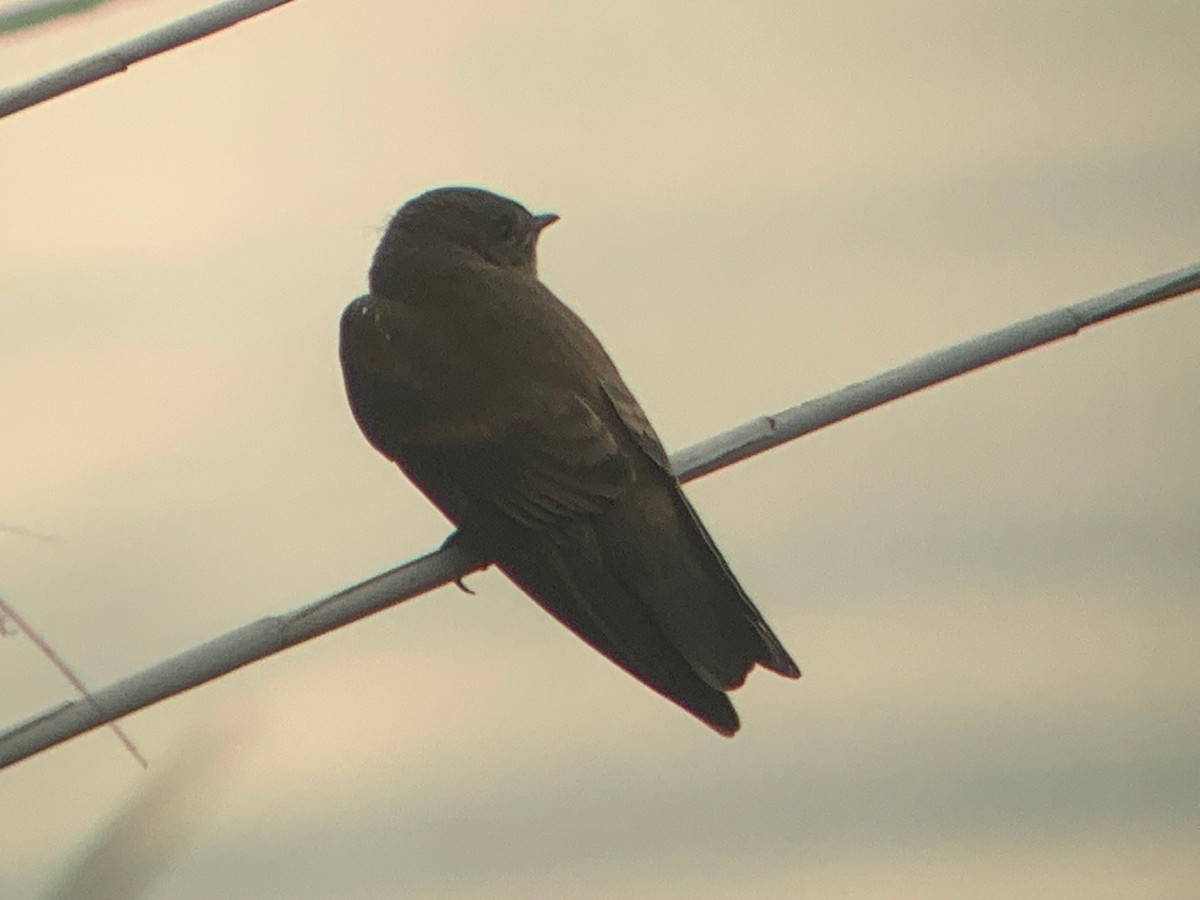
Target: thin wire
119	58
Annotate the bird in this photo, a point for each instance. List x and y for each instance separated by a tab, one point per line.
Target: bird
503	408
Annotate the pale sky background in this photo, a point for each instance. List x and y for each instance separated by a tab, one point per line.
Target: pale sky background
991	586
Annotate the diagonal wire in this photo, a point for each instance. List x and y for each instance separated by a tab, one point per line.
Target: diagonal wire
764	433
121	57
272	634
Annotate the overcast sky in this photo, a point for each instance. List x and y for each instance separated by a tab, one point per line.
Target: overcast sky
991	586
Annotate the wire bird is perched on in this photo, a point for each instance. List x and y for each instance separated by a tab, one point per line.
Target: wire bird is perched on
503	408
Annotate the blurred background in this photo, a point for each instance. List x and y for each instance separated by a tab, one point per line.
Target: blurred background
991	586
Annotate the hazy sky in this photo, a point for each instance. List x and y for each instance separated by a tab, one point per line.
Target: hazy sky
991	586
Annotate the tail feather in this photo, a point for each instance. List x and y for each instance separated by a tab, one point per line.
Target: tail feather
645	585
575	585
672	563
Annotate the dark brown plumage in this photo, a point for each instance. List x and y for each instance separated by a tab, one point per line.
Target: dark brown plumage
503	408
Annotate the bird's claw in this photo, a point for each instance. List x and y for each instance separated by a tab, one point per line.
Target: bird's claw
456	540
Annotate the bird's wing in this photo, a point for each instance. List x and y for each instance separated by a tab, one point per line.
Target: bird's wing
559	463
535	496
634	421
699	600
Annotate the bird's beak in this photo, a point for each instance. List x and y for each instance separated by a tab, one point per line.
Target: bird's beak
540	222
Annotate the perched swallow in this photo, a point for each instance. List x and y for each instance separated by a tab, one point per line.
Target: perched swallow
502	407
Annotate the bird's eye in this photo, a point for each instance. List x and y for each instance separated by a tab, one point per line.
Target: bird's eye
505	229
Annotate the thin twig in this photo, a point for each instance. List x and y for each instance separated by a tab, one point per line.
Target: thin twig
119	58
259	639
8	612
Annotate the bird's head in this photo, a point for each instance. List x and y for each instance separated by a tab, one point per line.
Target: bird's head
500	230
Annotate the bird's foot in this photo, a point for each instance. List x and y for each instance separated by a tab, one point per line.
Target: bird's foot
456	540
